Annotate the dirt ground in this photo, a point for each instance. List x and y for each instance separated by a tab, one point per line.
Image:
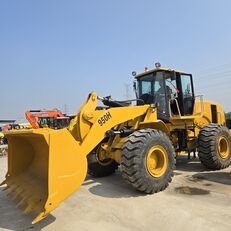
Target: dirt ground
196	200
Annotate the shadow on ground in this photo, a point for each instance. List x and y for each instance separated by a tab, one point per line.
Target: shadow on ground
115	187
12	218
192	165
218	177
112	187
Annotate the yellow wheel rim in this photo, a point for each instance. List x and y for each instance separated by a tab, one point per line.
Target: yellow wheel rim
223	147
157	161
100	156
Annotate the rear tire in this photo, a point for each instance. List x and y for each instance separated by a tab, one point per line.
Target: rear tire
97	168
147	161
214	147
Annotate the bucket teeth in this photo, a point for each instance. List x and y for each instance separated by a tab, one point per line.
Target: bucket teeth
6	188
12	189
19	192
22	202
28	209
24	199
9	182
8	194
4	182
14	197
35	165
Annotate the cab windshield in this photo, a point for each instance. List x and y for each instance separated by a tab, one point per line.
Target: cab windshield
151	83
154	84
158	87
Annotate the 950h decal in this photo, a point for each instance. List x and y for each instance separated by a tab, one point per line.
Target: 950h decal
104	119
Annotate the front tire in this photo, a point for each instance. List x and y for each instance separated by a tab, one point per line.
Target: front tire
214	147
147	160
98	168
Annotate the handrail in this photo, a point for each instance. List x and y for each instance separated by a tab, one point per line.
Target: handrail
178	108
202	109
177	105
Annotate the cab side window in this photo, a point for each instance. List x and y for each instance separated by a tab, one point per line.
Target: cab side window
146	87
187	94
186	86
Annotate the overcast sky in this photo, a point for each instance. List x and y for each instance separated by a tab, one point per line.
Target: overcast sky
53	53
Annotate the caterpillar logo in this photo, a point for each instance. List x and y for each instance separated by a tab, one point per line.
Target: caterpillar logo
104	119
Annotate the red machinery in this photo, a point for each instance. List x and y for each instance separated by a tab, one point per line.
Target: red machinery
50	118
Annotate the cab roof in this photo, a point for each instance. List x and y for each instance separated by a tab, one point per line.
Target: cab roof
158	69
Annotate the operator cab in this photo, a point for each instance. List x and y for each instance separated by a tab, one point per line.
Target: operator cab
54	122
171	90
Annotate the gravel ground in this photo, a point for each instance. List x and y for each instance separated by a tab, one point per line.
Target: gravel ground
196	200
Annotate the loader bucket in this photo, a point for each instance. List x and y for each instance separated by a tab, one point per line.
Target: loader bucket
45	166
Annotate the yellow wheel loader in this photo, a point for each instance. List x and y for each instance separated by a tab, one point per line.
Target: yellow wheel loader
46	166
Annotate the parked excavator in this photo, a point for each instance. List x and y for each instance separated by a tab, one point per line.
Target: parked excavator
45	166
47	118
1	136
4	126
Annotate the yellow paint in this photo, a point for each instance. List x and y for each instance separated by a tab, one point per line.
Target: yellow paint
49	165
158	69
223	147
157	161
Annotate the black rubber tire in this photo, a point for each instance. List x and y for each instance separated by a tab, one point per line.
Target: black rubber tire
97	168
133	161
207	146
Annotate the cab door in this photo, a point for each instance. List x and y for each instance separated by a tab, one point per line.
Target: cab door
186	97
